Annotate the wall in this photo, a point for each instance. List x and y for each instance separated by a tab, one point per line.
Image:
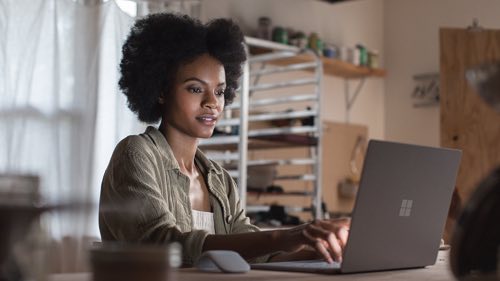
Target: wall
342	24
406	31
411	42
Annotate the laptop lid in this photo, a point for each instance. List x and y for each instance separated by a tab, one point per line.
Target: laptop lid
401	206
400	211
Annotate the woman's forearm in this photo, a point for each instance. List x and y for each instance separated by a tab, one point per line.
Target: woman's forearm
307	253
249	245
326	237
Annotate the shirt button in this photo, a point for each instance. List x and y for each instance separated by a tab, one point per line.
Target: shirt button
229	218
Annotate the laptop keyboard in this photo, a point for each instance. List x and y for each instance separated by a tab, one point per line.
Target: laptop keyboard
315	264
309	264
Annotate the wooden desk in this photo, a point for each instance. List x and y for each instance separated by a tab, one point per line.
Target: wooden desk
438	272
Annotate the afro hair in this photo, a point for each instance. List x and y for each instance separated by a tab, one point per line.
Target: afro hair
159	43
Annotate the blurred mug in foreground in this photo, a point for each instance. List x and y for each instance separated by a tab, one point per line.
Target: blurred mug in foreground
19	208
132	262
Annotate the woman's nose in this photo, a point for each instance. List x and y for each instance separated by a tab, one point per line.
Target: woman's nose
211	101
211	105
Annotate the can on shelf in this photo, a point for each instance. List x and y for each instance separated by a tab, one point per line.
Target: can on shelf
280	35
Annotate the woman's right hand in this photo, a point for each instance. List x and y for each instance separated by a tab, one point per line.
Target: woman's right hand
327	237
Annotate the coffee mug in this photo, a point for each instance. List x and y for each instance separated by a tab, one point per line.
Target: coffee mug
130	262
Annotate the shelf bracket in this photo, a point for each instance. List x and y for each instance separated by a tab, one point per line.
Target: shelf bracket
350	98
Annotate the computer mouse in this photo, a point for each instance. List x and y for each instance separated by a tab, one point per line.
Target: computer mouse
222	261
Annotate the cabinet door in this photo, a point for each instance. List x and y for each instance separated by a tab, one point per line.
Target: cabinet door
468	123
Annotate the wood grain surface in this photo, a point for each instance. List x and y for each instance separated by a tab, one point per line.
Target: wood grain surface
467	122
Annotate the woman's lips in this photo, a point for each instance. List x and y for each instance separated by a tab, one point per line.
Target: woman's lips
207	119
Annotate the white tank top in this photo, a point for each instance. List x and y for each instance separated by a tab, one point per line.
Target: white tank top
203	221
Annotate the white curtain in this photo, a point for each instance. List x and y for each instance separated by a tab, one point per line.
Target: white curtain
61	112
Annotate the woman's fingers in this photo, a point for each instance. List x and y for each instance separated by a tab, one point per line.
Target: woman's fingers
319	245
342	235
327	237
338	226
337	248
327	240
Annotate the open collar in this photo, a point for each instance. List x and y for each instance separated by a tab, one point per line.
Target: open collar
166	151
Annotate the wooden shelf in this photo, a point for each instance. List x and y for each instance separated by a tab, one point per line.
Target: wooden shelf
343	69
331	66
266	142
283	193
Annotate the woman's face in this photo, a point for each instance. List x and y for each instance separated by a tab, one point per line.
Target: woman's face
197	98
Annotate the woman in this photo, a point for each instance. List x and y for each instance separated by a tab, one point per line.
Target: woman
159	187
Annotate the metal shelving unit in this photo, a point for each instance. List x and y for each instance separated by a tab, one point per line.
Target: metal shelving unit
263	102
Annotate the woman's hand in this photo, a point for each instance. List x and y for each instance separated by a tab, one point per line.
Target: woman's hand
327	237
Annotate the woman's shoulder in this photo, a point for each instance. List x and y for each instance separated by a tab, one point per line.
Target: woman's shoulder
133	144
137	145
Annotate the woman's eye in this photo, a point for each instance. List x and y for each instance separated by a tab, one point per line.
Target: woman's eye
195	90
220	92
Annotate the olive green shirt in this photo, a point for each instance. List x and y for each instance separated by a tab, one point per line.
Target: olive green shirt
145	197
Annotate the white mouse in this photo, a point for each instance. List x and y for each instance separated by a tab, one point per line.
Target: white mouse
222	261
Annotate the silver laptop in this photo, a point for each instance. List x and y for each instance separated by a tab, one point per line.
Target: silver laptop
400	211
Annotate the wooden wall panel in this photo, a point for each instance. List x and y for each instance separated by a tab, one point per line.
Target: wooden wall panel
467	123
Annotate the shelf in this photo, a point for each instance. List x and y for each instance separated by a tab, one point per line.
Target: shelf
262	142
331	66
284	193
306	177
288	161
266	208
343	69
289	140
274	116
273	127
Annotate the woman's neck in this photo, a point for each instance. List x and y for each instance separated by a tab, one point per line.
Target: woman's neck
183	147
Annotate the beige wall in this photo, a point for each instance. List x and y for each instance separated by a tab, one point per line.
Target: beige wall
412	46
342	24
406	33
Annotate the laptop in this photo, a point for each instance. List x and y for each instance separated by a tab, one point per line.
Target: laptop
400	211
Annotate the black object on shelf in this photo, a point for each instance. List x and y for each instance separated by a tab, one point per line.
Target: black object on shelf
276	213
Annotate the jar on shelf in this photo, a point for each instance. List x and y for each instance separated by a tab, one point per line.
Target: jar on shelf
330	51
280	35
373	59
264	28
315	43
298	39
347	54
363	55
